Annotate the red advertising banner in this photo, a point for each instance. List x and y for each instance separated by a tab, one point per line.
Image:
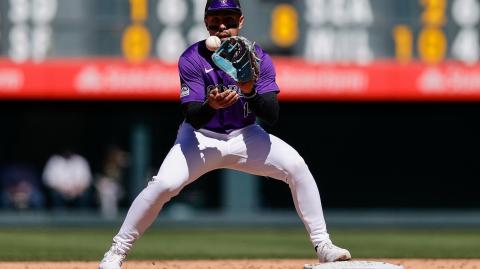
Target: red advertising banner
299	80
380	81
89	79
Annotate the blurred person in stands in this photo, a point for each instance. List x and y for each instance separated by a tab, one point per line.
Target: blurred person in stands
21	188
69	178
108	184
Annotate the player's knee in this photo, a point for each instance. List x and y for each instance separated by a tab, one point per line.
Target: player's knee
165	187
296	166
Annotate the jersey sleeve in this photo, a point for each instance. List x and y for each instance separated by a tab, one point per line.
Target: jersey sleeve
266	82
192	85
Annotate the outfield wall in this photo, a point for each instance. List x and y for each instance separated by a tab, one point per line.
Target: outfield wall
363	155
350	219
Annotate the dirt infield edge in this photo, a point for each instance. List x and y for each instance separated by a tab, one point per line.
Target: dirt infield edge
242	264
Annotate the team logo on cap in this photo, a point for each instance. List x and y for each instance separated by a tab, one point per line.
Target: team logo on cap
224	3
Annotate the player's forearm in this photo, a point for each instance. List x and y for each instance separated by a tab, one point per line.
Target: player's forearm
198	114
265	106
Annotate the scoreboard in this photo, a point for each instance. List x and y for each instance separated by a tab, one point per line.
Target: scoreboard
324	49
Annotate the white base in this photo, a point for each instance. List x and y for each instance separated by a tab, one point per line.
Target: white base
353	265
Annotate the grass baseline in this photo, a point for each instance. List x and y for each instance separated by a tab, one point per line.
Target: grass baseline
89	244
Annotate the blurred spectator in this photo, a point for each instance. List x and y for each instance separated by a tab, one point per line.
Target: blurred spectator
68	177
108	185
21	188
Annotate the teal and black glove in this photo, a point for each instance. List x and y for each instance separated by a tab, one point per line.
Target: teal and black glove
236	56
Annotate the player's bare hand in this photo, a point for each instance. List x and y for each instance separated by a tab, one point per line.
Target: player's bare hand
224	99
246	87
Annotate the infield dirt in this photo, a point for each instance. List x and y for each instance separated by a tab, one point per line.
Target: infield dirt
240	264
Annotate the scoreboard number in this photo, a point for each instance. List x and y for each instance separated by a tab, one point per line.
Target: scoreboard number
403	38
30	36
466	13
136	43
284	31
432	45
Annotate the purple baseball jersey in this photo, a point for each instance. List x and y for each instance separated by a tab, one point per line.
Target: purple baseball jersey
199	75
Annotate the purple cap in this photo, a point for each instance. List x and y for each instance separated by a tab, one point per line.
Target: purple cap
221	5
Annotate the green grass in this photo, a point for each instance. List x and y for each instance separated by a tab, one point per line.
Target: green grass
158	243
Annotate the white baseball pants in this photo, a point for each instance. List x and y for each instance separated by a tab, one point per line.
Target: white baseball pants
250	150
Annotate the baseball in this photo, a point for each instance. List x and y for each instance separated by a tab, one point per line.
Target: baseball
213	43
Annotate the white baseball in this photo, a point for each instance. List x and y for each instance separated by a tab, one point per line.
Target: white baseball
213	43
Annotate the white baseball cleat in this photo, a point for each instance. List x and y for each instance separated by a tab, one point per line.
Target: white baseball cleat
328	252
113	258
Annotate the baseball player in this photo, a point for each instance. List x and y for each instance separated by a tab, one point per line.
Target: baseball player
220	131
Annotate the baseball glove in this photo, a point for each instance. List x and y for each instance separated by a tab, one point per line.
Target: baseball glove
236	56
